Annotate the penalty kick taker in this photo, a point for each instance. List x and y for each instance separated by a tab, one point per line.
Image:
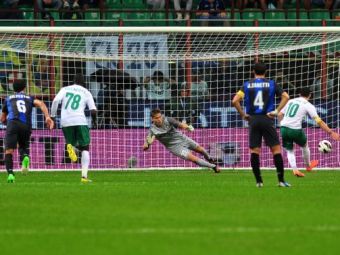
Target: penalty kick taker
164	129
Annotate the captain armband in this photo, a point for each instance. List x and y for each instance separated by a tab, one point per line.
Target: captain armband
317	119
240	93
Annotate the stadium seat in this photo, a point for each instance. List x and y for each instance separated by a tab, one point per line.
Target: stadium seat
236	18
159	19
336	17
134	4
292	18
114	4
317	15
112	18
28	14
275	18
139	19
250	15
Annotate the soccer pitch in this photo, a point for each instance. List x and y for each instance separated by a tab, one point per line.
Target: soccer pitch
169	212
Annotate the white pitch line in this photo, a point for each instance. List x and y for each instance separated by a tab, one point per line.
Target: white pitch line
146	231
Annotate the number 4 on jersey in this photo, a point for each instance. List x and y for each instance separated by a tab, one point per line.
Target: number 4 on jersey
258	101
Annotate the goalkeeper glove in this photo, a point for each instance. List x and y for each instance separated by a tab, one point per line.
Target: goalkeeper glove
190	128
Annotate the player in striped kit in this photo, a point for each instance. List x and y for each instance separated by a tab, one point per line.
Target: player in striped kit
291	117
17	114
259	96
164	130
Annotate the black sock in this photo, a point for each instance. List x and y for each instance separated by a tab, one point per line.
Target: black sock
255	165
9	163
278	161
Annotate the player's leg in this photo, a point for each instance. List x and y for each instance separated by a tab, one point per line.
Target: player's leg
255	140
287	135
272	140
184	153
11	140
202	163
70	137
192	145
24	138
83	139
301	140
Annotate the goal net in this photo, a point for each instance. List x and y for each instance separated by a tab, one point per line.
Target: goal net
189	73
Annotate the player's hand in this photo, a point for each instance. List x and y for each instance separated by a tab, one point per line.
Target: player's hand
272	114
146	146
49	123
335	136
246	117
94	125
190	128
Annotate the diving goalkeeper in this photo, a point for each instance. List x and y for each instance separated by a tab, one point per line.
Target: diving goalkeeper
164	129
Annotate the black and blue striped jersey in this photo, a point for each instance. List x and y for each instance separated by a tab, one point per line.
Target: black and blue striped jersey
259	95
19	107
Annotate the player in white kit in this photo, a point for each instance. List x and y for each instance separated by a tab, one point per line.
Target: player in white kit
74	99
291	117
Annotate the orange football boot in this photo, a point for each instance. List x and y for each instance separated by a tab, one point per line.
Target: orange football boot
312	164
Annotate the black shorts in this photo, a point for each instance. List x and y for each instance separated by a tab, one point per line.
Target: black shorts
17	133
262	126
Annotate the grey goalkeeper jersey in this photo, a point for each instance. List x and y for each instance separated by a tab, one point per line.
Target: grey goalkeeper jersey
167	134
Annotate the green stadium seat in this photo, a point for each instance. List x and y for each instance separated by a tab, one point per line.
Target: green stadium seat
134	4
139	19
236	18
159	19
275	18
336	17
28	13
317	15
92	15
250	15
292	18
114	4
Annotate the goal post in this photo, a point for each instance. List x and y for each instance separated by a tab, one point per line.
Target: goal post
190	73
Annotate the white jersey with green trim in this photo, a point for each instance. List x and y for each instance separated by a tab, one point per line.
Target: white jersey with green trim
294	112
74	100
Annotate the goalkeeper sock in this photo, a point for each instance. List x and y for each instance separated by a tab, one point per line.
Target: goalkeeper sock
306	155
291	159
85	161
278	161
204	163
255	165
9	163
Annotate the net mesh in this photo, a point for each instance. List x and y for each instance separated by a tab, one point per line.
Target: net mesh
189	76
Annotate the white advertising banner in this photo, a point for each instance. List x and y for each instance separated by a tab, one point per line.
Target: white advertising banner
142	54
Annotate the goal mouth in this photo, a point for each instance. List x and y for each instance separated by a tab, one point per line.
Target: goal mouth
190	73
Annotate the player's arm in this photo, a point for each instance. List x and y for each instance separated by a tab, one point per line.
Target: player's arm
237	104
180	125
93	110
314	115
150	138
4	113
283	102
40	104
56	101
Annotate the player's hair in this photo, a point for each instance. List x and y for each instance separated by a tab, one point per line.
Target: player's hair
305	92
260	68
154	112
19	85
79	79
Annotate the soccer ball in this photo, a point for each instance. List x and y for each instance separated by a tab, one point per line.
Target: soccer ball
325	146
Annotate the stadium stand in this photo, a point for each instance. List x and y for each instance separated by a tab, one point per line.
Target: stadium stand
136	13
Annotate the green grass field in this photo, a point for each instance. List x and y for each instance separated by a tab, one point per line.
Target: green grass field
169	212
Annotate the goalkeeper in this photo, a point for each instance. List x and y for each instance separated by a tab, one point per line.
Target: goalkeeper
164	130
